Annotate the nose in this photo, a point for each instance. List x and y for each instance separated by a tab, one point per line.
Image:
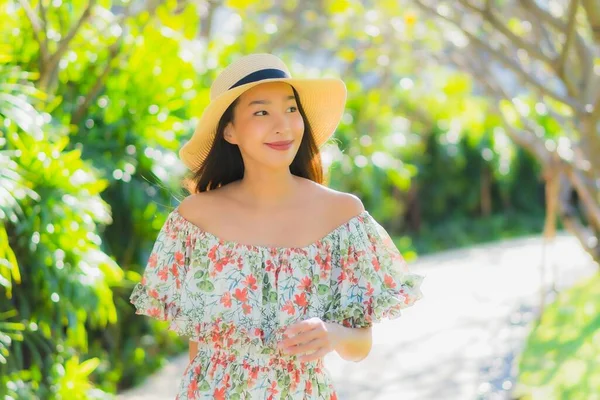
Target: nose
282	124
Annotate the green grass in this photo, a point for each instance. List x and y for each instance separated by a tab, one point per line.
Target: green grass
561	359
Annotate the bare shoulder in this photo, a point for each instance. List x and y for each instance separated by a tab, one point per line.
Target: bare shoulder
190	207
345	205
195	206
340	206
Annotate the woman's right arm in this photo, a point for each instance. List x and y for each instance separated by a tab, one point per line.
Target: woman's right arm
193	349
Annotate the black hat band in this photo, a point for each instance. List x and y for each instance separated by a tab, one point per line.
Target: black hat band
260	76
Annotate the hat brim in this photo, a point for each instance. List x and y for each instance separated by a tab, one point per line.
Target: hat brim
323	101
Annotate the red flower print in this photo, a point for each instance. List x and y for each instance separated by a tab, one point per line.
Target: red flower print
333	396
155	312
175	273
153	260
273	390
247	308
226	380
197	369
174	270
324	264
163	274
241	295
252	376
221	263
301	300
226	299
219	394
153	293
342	277
179	257
251	282
289	307
193	387
376	265
269	266
370	289
389	281
308	387
212	253
305	284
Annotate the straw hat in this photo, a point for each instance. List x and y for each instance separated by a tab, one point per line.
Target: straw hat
323	101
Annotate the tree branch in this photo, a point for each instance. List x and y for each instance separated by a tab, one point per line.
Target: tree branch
38	29
63	44
43	13
113	53
50	67
562	61
587	198
523	138
585	53
526	77
81	110
568	214
488	15
592	11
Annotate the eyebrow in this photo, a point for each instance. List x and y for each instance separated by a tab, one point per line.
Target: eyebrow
291	97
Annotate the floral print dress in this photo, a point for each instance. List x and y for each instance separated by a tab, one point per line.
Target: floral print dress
236	300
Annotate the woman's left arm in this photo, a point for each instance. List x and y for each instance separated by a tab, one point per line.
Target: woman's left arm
314	338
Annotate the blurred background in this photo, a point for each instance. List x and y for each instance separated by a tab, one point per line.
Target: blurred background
471	133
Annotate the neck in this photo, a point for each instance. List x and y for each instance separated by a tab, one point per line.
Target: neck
268	188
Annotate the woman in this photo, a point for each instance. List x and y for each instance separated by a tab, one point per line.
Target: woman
263	268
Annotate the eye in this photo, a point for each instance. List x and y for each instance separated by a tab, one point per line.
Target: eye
258	113
294	109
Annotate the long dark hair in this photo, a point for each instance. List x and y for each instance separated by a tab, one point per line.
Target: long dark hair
224	163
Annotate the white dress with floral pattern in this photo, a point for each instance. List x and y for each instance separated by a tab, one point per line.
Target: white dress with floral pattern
236	300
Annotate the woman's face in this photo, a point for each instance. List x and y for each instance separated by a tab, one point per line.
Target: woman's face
267	126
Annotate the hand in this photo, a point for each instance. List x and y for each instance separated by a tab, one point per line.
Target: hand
312	337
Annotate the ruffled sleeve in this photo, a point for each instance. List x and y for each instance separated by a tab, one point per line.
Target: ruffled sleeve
372	281
158	293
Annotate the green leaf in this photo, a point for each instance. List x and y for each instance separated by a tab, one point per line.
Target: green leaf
323	289
204	386
199	274
206	286
88	366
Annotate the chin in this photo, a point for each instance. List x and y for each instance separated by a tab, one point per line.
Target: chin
278	164
281	160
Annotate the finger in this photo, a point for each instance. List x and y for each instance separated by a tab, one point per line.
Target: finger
299	327
320	353
304	326
305	348
301	338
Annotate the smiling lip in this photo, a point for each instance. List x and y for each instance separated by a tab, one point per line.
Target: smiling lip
283	145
